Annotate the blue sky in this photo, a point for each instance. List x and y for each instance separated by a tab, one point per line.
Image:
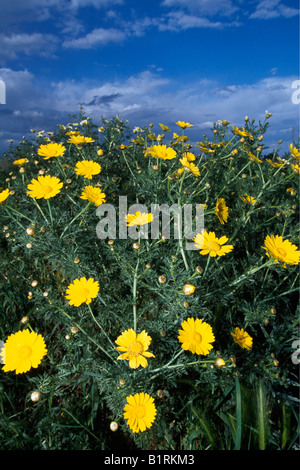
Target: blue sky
149	61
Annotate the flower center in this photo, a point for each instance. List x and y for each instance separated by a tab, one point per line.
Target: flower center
25	352
281	252
140	411
135	349
85	292
197	338
47	189
213	246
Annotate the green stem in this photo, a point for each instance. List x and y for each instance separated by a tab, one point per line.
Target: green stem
39	208
50	212
76	217
17	212
98	324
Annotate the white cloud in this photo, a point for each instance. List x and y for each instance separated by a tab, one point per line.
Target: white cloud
34	43
268	9
97	37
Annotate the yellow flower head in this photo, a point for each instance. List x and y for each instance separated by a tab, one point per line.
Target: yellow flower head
22	351
140	412
164	128
82	291
4	195
183	124
242	338
138	218
248	199
208	243
51	150
294	152
196	336
87	168
222	210
93	195
281	250
189	166
44	187
161	151
21	161
134	347
80	139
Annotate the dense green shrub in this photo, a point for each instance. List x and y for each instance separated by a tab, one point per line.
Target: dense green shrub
230	398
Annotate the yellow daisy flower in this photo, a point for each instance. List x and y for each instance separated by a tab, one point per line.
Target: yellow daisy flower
22	351
21	161
189	166
161	151
4	195
274	164
196	336
44	187
51	150
222	210
80	139
294	152
140	412
281	250
208	243
134	347
253	158
87	168
82	291
93	195
183	124
242	338
164	128
247	199
138	218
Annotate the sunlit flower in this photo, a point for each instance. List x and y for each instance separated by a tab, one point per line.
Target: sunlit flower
183	124
80	139
4	195
22	351
82	291
222	210
21	161
253	158
87	168
292	191
140	412
248	199
294	152
281	250
164	128
134	347
51	150
242	132
44	187
138	218
274	164
94	195
189	166
196	336
242	338
208	243
161	151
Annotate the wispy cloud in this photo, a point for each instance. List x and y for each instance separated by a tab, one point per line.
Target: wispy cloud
97	37
35	43
268	9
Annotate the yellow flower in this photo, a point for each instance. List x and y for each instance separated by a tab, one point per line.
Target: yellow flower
161	151
253	158
164	128
44	187
292	191
189	156
51	150
248	199
274	164
22	351
183	124
242	338
296	168
222	210
93	195
87	168
189	166
208	243
138	219
241	132
21	161
134	347
280	250
80	139
4	195
140	412
82	291
294	152
196	336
